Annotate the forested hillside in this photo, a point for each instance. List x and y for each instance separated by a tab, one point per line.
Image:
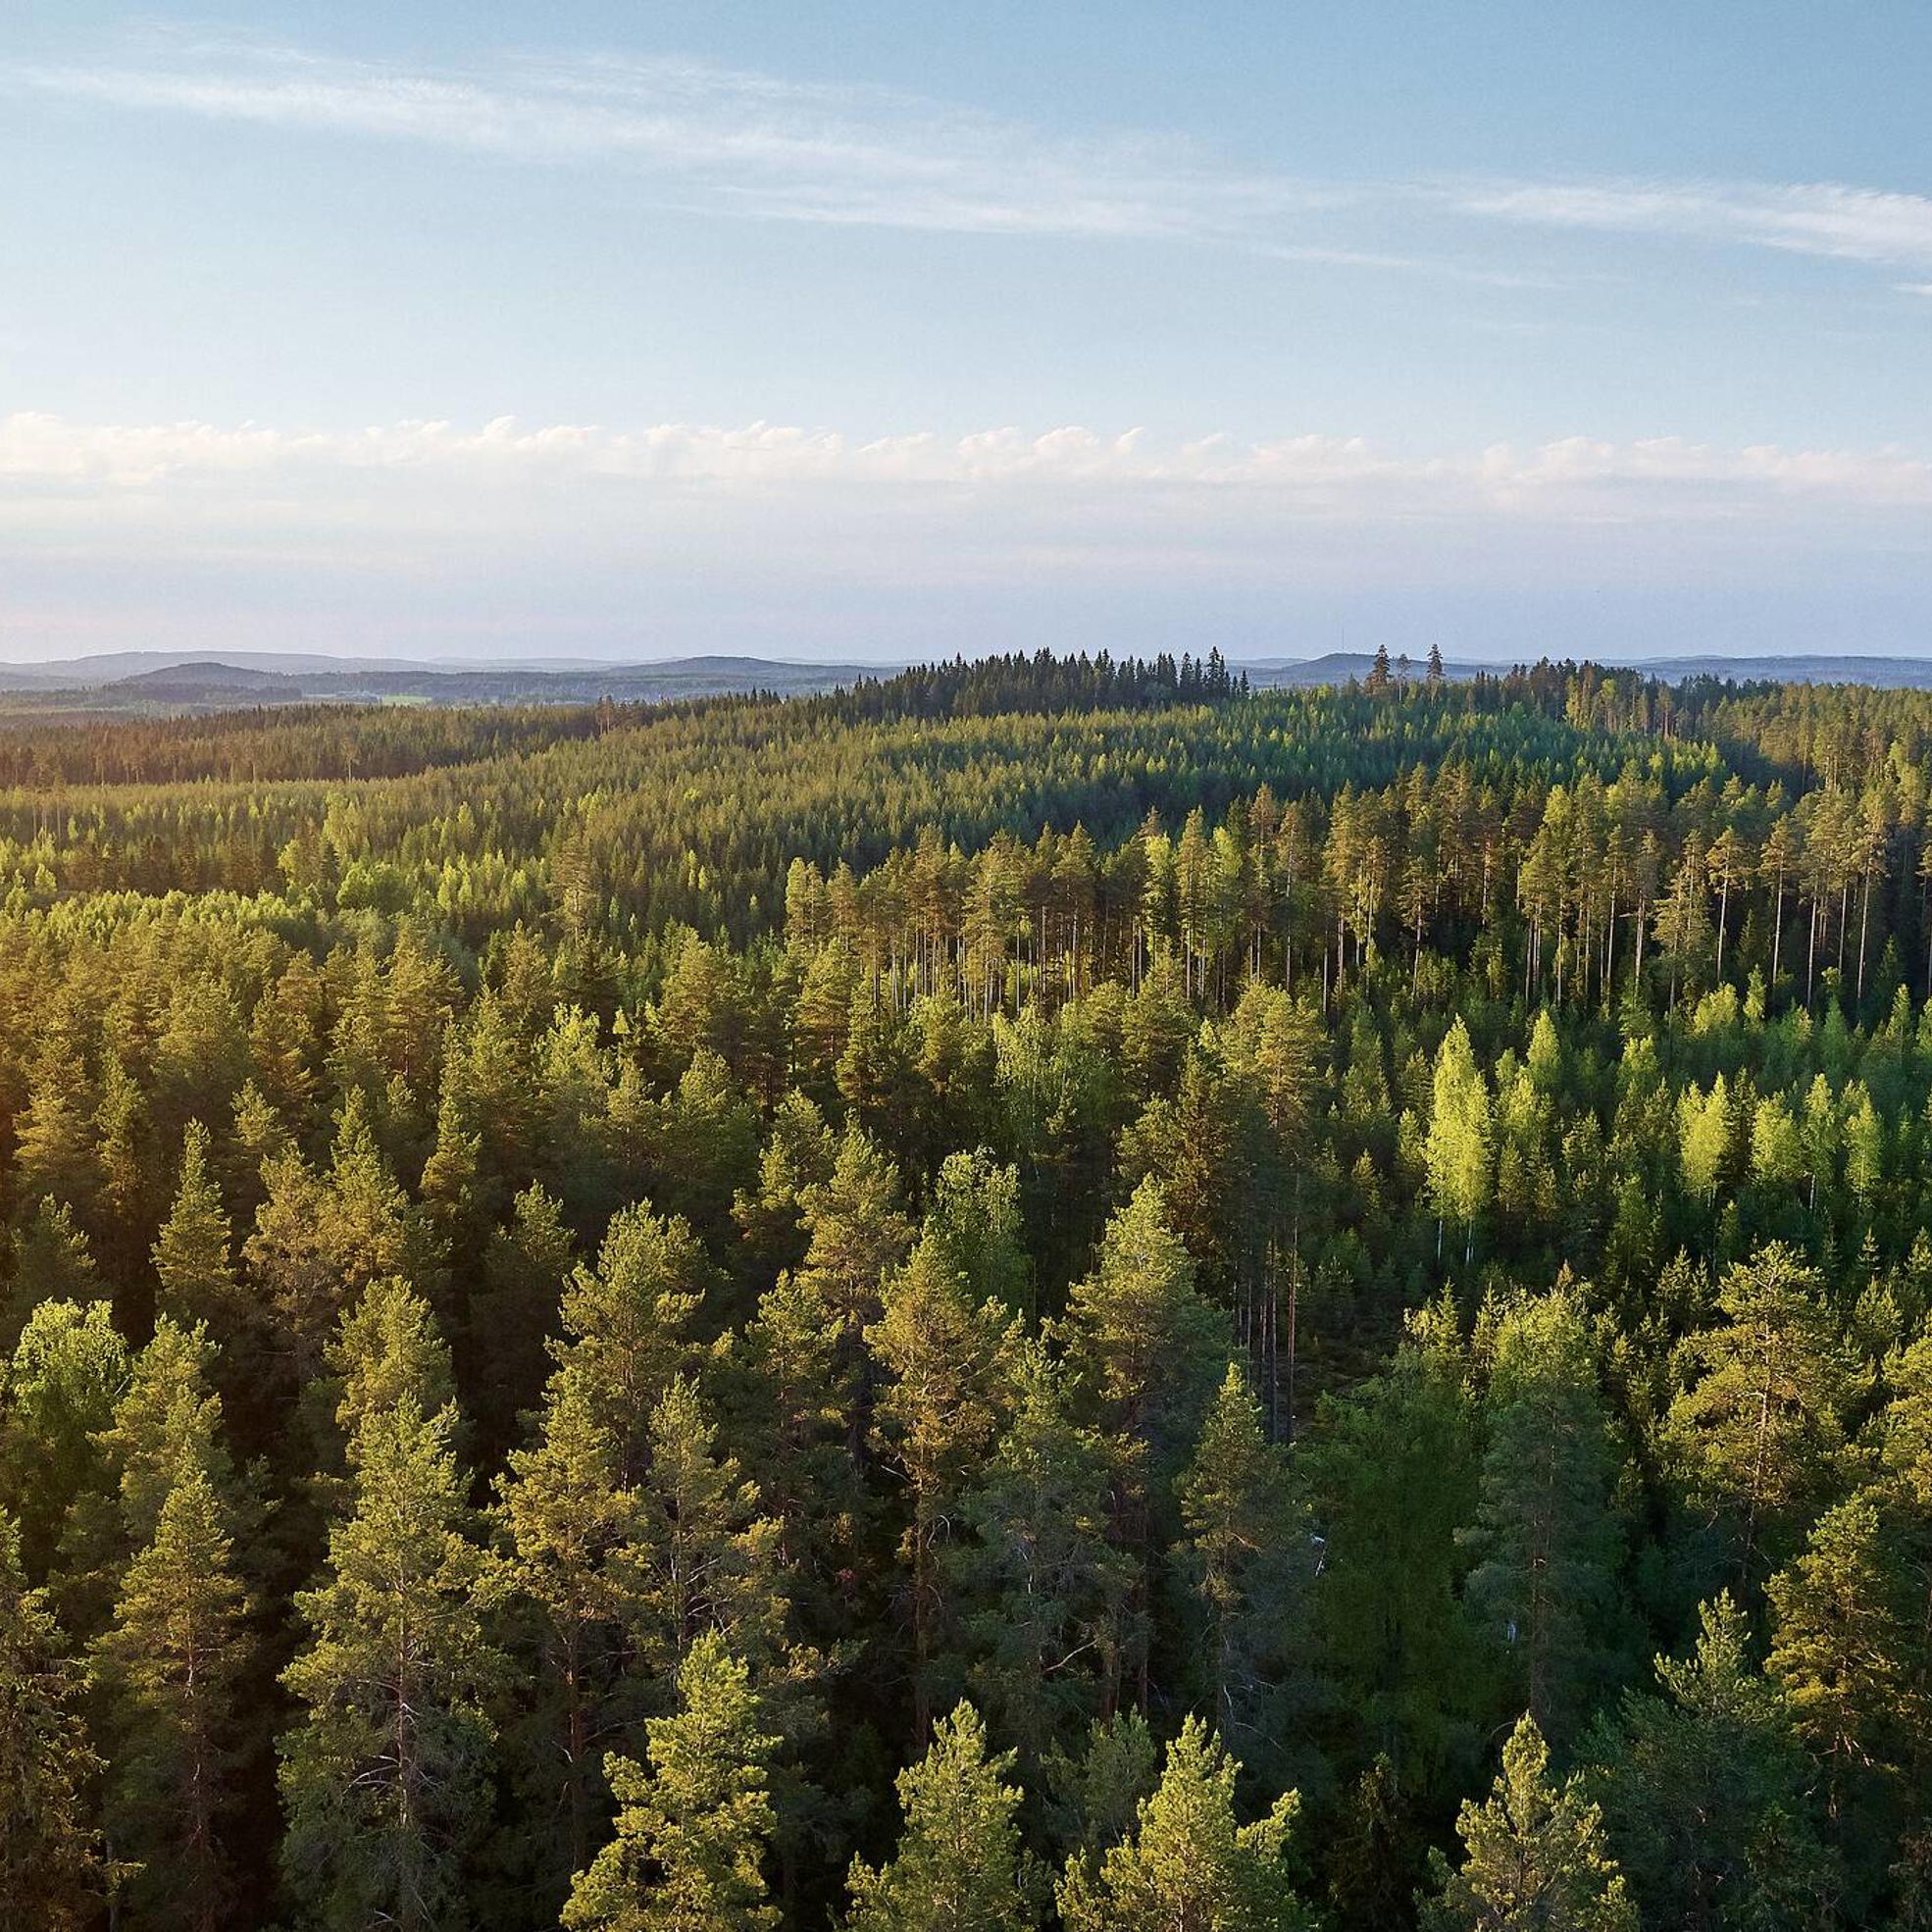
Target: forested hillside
1038	1295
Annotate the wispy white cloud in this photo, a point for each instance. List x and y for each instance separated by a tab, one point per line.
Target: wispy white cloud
1827	219
762	147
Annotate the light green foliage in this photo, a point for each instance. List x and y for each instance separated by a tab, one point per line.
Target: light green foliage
1534	1856
1459	1148
693	1825
1189	1861
67	1373
958	1866
1704	1139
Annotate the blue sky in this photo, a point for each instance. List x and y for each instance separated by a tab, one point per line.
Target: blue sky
869	330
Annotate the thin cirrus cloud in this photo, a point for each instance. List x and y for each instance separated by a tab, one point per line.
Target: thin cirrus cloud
761	147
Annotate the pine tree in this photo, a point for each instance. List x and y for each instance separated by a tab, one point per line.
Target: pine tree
386	1776
68	1371
946	1353
512	1314
572	1529
54	1150
1044	1596
51	1262
167	1424
1707	1793
1535	1857
787	1415
1544	1585
958	1866
1148	1350
51	1875
172	1664
1762	1424
858	1234
1843	1644
192	1256
320	1239
625	1326
689	1845
704	1558
1242	1561
798	1154
1189	1863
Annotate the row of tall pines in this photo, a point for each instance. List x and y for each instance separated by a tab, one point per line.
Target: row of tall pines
1356	1352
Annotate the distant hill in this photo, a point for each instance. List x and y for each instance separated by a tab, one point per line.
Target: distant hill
1338	667
209	679
137	683
1894	673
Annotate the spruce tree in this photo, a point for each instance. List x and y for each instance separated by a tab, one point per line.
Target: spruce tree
689	1849
1394	1479
1375	1859
958	1866
1459	1150
1093	1795
1535	1857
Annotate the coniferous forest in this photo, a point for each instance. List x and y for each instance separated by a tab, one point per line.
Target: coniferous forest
1045	1293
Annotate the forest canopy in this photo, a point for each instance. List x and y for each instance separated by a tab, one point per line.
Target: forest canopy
1047	1292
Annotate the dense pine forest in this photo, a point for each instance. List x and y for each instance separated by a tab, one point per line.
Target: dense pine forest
1043	1293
